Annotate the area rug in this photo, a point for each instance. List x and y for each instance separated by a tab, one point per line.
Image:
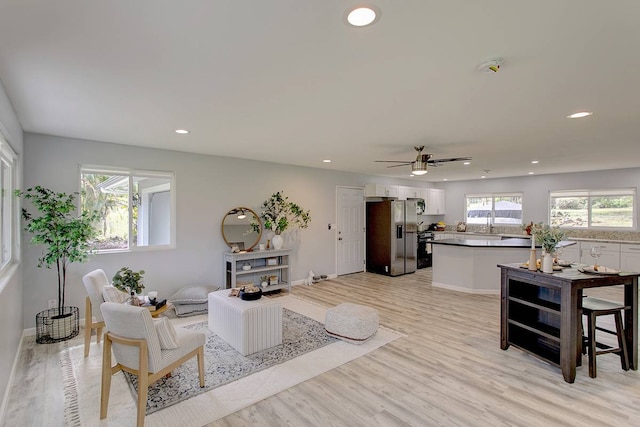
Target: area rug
223	363
220	401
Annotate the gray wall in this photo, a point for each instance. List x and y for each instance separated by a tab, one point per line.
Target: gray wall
10	284
207	188
536	190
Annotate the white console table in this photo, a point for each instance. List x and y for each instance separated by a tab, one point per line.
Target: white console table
270	262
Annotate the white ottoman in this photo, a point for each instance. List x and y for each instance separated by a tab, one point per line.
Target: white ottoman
351	322
249	326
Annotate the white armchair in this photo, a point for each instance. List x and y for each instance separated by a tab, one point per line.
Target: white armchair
132	335
94	283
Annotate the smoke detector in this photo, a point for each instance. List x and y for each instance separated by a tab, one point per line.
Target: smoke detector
491	65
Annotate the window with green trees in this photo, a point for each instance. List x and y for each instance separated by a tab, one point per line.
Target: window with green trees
136	207
593	208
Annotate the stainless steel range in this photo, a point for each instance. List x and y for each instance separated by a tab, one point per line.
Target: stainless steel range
424	249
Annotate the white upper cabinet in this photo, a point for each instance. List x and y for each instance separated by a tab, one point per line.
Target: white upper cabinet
381	190
435	201
405	193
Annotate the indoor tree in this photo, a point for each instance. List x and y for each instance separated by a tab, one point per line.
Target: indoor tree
60	229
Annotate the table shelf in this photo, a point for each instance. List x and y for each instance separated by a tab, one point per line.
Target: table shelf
270	262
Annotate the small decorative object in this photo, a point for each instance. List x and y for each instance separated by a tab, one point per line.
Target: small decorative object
262	246
272	261
462	226
279	214
250	293
278	241
264	281
235	249
309	279
441	226
273	280
527	228
246	266
128	280
547	263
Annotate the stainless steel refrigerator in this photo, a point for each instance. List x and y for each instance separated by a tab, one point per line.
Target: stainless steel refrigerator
392	243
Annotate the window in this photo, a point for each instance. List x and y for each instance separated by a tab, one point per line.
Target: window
136	207
593	208
8	221
499	208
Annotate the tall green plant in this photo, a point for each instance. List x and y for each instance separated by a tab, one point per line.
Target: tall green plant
57	226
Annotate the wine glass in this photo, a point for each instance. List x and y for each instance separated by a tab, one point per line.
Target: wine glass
595	252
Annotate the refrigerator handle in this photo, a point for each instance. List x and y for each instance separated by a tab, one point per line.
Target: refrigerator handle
398	231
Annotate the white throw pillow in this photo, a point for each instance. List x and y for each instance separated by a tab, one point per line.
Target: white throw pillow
113	294
166	333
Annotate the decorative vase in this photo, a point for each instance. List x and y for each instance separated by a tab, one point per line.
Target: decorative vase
547	263
277	241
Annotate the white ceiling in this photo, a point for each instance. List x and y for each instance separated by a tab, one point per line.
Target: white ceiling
289	81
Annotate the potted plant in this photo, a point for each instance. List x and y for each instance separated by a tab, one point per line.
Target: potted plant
128	280
548	237
279	214
65	236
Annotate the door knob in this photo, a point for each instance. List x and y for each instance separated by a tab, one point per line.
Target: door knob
339	238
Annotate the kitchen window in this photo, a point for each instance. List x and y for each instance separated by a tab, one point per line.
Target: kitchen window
137	208
495	208
613	209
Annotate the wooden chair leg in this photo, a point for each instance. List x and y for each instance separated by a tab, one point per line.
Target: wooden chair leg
143	384
98	334
622	344
106	378
591	325
201	365
88	320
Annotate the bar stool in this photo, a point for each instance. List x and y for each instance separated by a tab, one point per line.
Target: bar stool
592	308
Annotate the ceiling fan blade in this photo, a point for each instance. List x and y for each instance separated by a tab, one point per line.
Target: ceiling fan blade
404	162
451	159
395	166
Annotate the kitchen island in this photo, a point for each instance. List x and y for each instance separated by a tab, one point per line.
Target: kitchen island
467	265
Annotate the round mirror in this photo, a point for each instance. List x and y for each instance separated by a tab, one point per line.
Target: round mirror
237	230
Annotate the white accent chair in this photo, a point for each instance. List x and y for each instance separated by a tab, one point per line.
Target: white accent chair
94	283
132	336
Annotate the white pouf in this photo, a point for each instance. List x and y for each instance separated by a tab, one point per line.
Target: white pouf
249	326
354	323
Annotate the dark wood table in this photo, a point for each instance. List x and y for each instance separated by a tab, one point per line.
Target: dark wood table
541	313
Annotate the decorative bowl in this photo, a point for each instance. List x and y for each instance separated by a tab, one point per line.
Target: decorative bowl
250	296
246	267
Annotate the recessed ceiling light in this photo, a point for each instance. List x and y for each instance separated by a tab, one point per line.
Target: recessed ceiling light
535	162
483	176
530	173
466	163
182	131
445	179
579	114
363	16
326	161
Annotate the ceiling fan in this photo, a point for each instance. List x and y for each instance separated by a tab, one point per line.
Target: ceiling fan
419	165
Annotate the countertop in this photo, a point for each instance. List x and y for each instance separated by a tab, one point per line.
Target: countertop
520	236
506	243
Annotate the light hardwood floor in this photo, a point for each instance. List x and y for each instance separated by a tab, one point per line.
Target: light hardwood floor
448	370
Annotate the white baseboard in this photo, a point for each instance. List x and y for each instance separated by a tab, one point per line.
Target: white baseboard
16	358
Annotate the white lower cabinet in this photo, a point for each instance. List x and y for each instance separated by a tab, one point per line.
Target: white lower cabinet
609	254
629	257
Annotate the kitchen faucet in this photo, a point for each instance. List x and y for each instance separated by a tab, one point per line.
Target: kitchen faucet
489	228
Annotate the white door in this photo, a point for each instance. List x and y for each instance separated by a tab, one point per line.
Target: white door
350	233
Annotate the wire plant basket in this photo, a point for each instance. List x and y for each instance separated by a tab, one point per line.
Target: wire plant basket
52	326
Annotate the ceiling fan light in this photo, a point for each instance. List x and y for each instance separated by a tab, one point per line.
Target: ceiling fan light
419	168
